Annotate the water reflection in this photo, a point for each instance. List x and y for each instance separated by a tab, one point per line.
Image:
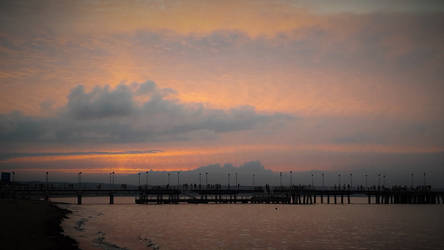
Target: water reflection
258	226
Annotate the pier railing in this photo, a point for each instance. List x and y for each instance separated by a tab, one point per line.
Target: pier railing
191	193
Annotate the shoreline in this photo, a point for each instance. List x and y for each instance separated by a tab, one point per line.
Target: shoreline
33	224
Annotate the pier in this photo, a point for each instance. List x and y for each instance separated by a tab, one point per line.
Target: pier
219	194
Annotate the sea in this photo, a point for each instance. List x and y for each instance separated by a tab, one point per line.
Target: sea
125	225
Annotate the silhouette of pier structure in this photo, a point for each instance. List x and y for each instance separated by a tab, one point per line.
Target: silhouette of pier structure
291	195
219	194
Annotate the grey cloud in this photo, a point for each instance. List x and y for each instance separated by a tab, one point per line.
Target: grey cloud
100	102
106	115
146	88
6	156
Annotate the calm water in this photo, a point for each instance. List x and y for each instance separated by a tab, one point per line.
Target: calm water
356	226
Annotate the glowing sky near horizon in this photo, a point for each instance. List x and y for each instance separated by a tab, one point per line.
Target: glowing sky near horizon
296	85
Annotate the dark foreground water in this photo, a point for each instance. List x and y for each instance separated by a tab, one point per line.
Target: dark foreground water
247	226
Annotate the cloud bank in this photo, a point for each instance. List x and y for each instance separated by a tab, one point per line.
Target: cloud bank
138	112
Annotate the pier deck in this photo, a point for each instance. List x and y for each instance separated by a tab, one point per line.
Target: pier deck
219	194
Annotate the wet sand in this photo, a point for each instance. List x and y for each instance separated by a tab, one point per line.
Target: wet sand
33	224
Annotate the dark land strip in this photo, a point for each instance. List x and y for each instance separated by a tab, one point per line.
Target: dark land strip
33	224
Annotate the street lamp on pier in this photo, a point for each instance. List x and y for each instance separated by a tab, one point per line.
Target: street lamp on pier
379	180
339	180
312	180
235	177
351	180
228	180
200	179
168	178
323	183
178	178
80	179
291	178
366	184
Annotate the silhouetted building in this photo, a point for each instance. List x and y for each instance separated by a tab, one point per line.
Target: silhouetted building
6	177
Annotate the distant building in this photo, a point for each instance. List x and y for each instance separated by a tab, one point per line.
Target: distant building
6	177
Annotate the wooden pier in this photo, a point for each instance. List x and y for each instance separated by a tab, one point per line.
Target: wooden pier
218	194
302	195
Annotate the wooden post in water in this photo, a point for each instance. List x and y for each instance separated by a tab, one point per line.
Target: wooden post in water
348	197
335	198
111	198
322	199
369	199
342	198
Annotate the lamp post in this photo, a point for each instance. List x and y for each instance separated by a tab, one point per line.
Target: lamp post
312	180
47	179
323	183
351	180
235	177
291	178
200	179
339	180
366	184
80	179
178	178
206	178
168	178
228	180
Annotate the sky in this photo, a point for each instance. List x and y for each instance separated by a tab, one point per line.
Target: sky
127	86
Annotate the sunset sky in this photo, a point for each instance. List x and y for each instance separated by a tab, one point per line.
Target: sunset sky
96	86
